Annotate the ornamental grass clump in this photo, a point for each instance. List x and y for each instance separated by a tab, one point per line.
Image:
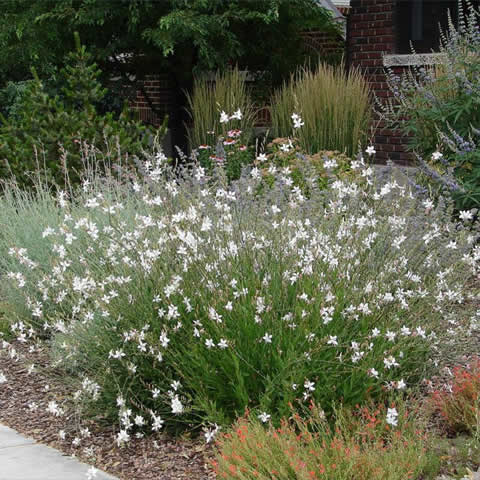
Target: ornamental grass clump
227	93
334	104
177	299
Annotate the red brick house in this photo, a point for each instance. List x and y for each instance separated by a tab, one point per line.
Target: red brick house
381	34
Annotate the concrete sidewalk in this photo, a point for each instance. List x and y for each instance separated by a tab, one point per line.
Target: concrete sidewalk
22	458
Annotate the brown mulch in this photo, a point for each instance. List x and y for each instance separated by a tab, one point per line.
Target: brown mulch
151	458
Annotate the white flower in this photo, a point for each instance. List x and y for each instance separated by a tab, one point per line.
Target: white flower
177	406
206	225
3	378
286	147
372	373
224	118
391	336
437	156
332	340
405	331
164	340
264	417
371	150
48	231
428	204
420	332
267	338
297	121
122	437
390	362
465	215
401	384
262	157
209	343
210	434
54	409
175	385
222	344
236	115
139	421
157	423
310	386
392	417
255	173
330	163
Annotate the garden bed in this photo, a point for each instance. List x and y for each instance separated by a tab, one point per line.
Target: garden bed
155	457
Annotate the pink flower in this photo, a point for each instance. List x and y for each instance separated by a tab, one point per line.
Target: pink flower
234	133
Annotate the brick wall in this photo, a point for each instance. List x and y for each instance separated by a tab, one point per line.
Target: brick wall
324	43
371	34
159	90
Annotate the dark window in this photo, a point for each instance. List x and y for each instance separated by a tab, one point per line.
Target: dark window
417	23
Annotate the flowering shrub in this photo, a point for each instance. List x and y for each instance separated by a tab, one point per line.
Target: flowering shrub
459	403
178	299
363	445
457	170
229	153
429	100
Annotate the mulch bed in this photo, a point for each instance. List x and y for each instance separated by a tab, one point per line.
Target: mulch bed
152	458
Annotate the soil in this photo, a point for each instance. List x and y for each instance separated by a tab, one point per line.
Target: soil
151	458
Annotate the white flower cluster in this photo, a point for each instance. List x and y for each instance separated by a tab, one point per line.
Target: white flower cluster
182	268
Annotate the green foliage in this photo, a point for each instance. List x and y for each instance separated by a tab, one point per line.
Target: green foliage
334	105
236	156
216	31
11	98
459	165
50	132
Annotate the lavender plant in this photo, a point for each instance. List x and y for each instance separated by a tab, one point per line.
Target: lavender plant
438	108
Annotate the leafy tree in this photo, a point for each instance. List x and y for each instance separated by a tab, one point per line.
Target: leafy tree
141	37
47	130
38	31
